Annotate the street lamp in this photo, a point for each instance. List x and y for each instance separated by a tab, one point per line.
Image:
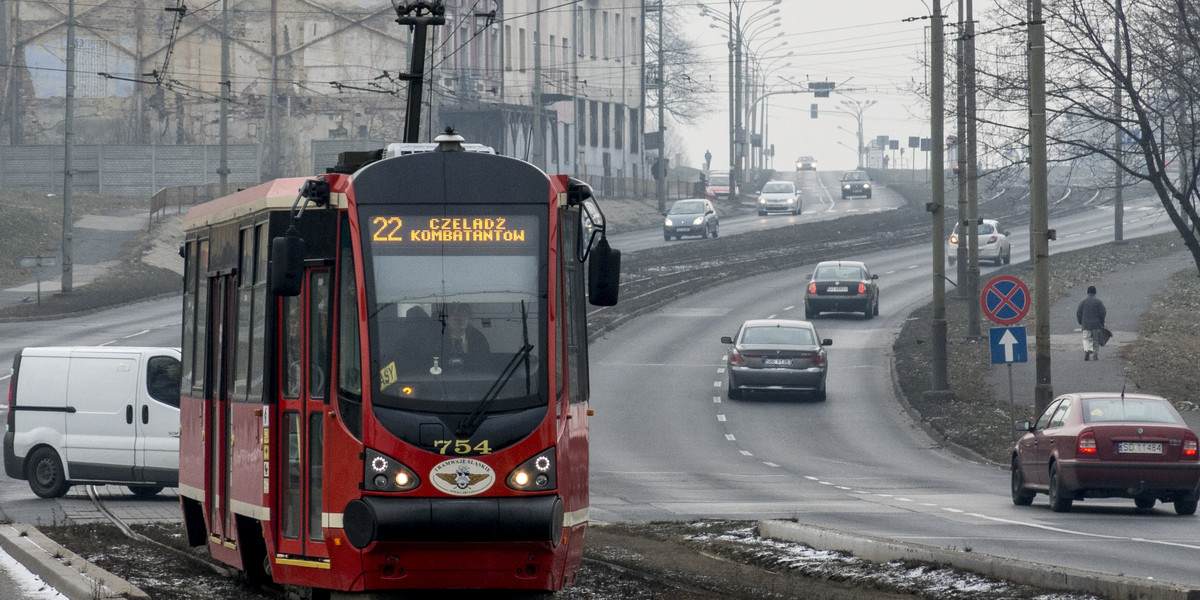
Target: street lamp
856	108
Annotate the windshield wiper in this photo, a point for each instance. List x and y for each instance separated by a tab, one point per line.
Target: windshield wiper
472	421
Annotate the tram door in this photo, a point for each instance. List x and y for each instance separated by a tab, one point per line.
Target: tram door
304	389
220	427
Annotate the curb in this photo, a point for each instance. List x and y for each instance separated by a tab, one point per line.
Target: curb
1061	579
62	569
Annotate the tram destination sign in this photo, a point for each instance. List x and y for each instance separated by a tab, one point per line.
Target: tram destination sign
464	230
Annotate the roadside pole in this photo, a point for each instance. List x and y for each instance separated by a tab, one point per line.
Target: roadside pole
1039	232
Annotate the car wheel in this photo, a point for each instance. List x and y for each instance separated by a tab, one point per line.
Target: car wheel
1020	495
1144	503
809	313
145	491
716	231
46	477
1058	502
1008	256
1185	507
875	311
868	195
733	393
666	237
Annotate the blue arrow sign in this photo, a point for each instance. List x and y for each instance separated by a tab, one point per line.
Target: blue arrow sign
1008	345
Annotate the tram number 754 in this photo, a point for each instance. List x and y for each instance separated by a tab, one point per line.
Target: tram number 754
462	447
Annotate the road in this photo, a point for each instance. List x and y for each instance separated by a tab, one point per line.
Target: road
669	445
854	462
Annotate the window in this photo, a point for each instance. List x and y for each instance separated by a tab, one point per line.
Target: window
162	379
605	125
521	45
551	54
349	353
594	122
619	128
592	31
604	33
580	117
634	50
635	132
508	56
1060	414
620	45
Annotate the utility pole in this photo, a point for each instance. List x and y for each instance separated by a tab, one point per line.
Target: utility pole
1039	232
938	372
962	251
226	89
739	136
1118	192
660	180
418	15
969	146
68	144
539	126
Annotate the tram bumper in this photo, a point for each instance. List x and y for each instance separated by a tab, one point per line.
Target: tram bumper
527	519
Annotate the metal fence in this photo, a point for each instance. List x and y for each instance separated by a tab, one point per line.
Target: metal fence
120	170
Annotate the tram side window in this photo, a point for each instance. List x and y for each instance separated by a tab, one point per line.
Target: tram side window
258	334
318	334
200	352
316	479
349	353
245	297
189	316
290	503
290	383
576	316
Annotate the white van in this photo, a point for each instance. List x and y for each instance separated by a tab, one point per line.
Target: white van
94	414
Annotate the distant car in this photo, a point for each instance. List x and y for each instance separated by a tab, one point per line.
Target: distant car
856	183
695	216
777	355
779	196
993	242
806	163
1107	445
841	286
717	187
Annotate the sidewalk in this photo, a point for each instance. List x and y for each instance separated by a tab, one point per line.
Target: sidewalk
1127	294
100	243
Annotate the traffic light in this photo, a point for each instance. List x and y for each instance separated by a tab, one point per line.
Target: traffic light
814	111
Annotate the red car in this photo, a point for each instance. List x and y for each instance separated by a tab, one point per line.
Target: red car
1107	445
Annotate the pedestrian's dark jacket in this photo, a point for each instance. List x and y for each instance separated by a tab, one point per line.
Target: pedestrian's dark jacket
1091	313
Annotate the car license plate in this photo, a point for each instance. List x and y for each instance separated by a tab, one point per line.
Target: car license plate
777	362
1139	447
837	288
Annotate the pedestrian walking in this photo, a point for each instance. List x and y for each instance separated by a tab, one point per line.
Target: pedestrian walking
1090	316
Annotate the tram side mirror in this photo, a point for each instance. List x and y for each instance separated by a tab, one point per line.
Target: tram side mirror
287	264
604	274
591	227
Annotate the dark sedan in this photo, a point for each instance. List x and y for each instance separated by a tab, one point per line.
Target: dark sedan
841	286
777	355
856	183
1107	445
691	217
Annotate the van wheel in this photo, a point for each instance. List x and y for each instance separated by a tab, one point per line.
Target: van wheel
46	477
145	491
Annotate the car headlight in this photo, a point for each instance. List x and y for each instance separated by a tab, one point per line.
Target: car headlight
762	200
791	200
386	474
668	223
846	186
535	474
866	185
698	221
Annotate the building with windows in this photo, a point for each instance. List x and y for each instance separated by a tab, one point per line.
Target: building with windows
557	84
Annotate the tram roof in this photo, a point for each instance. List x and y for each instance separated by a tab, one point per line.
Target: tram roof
277	194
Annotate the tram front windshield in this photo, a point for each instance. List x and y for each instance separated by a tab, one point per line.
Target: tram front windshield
454	308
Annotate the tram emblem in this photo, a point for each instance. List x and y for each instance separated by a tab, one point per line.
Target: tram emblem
462	476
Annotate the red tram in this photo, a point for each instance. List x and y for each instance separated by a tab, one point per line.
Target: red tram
385	377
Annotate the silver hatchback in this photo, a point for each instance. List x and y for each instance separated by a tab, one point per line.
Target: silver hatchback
777	355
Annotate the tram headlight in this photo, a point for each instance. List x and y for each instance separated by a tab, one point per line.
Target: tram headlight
383	473
536	474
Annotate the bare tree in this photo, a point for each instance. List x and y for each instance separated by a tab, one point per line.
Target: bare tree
1142	56
689	90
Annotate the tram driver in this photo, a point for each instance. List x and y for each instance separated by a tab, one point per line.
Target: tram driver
460	336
